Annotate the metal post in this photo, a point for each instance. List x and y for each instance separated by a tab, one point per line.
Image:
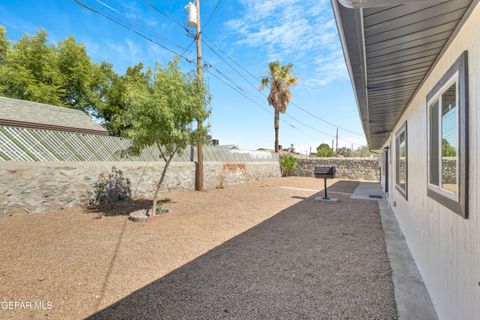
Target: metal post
336	144
325	188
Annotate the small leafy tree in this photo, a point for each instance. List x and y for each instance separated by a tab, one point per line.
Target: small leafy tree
362	152
447	149
288	164
4	43
115	97
62	74
344	152
324	150
161	113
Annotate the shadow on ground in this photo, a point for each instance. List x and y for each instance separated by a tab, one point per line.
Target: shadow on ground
344	186
124	208
313	260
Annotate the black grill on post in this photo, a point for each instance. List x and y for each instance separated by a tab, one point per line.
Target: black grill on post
325	173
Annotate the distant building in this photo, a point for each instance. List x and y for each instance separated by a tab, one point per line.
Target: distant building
229	146
31	131
27	114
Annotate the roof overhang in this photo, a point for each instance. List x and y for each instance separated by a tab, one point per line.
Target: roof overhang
378	3
390	46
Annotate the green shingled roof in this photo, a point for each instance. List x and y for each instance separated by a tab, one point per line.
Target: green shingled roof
45	114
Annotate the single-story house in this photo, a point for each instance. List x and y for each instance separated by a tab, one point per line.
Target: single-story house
415	70
34	115
31	131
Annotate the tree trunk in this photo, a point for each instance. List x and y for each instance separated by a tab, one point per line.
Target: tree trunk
159	184
276	125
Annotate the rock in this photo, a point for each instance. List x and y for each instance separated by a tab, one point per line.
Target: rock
138	216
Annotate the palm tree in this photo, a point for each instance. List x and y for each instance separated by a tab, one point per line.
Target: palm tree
279	79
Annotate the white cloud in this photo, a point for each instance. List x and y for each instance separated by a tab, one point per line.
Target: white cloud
299	31
131	10
128	51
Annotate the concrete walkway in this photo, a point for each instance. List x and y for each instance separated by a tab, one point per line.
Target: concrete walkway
411	296
368	191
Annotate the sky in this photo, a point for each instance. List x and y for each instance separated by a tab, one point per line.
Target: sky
251	33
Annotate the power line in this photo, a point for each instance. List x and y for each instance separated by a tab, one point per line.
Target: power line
189	46
132	30
326	121
133	22
212	14
231	83
294	104
233	68
230	58
206	24
254	102
185	50
166	15
256	88
238	89
235	87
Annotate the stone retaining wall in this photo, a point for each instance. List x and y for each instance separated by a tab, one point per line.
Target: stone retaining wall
347	168
42	186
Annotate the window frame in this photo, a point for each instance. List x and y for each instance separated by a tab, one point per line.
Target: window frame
402	129
458	74
437	98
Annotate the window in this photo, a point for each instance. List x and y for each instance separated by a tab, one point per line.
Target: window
401	160
447	106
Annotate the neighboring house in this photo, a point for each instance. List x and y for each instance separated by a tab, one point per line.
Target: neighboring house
27	114
31	131
415	68
228	146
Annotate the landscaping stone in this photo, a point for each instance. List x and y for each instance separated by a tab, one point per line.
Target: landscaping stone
138	216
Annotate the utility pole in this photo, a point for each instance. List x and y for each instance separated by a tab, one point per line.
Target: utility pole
336	144
198	40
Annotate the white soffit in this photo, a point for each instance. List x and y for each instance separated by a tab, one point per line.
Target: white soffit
389	50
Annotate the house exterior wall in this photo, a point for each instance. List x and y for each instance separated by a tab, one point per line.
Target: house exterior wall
445	246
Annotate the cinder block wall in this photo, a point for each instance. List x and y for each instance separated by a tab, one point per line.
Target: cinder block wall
347	168
37	187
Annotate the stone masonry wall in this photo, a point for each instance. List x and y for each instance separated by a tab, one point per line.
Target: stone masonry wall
347	168
42	186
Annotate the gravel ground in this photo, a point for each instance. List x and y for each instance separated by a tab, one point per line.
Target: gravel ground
252	251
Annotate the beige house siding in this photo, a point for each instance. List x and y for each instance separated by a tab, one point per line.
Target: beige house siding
445	246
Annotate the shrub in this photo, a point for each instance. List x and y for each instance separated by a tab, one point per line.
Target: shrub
288	164
110	188
324	150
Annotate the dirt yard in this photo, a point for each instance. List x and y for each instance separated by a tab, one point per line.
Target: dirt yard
259	250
